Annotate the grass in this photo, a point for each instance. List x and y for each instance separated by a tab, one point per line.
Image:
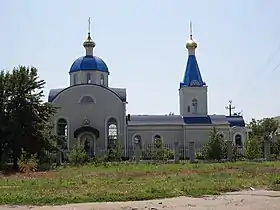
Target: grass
135	182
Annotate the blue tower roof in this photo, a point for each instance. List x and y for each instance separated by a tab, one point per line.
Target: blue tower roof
192	76
87	63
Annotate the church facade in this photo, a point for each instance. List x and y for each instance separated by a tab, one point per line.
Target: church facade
92	113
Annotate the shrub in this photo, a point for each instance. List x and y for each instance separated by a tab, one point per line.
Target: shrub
114	153
253	148
215	148
199	156
159	153
78	155
28	163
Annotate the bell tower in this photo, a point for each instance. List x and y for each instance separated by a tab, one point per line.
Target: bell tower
193	90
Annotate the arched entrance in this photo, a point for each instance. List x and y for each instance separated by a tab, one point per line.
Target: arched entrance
87	137
87	141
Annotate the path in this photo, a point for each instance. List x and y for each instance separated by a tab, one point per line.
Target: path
243	200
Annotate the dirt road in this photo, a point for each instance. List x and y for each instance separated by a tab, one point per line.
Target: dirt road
244	200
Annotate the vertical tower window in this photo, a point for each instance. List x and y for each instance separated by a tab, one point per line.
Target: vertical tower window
88	77
102	80
194	106
75	79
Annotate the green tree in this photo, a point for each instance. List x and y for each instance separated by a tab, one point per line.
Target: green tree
78	155
215	148
29	116
253	148
4	123
114	152
261	130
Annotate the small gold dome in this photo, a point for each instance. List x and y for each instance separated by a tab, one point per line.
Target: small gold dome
191	44
89	42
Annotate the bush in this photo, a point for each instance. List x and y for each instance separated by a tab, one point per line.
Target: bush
78	155
199	156
114	153
215	149
159	153
253	148
28	163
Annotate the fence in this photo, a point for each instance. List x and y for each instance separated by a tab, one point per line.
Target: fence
176	152
190	152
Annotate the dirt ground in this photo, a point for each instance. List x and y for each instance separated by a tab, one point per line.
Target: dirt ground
243	200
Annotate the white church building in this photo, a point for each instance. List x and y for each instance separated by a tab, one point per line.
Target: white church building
92	113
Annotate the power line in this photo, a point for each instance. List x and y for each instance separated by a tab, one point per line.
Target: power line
261	69
276	67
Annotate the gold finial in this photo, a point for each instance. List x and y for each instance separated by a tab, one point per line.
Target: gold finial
89	42
191	44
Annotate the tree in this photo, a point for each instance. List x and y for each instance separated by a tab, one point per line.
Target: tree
29	116
215	148
261	130
253	148
3	116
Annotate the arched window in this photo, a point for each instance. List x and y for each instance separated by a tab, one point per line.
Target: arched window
194	106
62	129
88	77
238	140
112	128
87	100
156	138
102	80
75	79
157	141
137	139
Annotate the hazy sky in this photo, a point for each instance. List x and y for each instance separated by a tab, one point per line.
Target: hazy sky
143	44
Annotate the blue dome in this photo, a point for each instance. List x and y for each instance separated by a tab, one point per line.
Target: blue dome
86	63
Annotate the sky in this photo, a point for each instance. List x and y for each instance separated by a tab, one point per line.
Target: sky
143	44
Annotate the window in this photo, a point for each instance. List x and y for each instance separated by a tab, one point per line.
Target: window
102	80
238	140
194	83
75	79
194	106
157	142
137	139
157	139
88	77
189	109
87	100
62	127
62	130
112	128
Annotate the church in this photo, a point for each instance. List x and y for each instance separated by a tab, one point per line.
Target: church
92	113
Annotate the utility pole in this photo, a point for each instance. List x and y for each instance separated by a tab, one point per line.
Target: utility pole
230	107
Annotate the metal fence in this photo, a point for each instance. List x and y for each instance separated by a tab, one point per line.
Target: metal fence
166	152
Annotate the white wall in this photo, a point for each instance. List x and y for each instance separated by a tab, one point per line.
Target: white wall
187	94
